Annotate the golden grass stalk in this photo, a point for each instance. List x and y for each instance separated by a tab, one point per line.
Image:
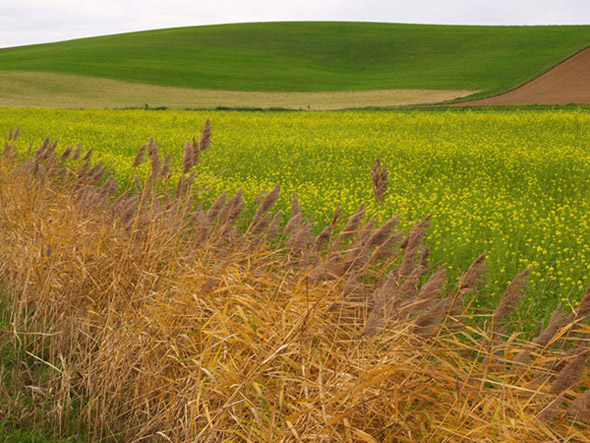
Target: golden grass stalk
228	338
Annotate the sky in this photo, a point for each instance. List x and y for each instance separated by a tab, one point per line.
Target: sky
38	21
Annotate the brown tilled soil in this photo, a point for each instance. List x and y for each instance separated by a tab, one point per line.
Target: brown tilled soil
568	82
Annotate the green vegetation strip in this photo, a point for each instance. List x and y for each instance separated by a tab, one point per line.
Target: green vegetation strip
312	56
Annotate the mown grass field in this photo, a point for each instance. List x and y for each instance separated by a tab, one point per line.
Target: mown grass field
49	90
312	56
514	184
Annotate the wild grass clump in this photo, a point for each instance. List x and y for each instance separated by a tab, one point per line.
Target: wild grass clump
181	319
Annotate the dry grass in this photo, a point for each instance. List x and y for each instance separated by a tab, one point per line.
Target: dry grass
183	321
49	90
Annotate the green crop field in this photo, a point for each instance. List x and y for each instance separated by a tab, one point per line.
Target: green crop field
312	56
512	183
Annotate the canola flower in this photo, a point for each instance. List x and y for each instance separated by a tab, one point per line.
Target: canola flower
513	183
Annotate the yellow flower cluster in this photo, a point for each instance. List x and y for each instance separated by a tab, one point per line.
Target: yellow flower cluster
513	183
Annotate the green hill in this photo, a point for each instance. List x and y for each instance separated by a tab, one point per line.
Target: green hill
312	56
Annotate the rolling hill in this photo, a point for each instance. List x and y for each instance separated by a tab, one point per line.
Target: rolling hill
310	56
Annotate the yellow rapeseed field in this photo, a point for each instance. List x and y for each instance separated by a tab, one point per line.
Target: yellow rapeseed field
513	183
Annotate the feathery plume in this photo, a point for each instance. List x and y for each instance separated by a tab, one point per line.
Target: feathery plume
77	152
189	159
233	209
584	306
351	226
65	155
152	147
258	226
558	321
351	285
205	139
137	183
379	176
140	156
552	408
323	237
382	296
295	206
581	405
273	228
569	374
88	154
388	248
433	317
424	257
156	164
380	235
435	284
412	247
267	203
511	297
365	232
293	224
216	207
298	242
474	277
166	170
409	288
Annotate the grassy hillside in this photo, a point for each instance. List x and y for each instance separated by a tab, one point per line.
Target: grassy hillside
312	56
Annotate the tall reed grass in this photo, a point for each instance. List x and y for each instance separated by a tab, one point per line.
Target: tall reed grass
172	318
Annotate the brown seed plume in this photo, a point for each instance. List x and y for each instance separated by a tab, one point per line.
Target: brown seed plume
380	235
293	224
77	152
88	154
298	242
205	139
66	154
351	227
166	170
379	175
382	297
581	405
412	246
570	373
140	156
268	202
475	275
509	301
295	206
273	228
216	207
190	158
409	288
435	284
233	209
388	248
584	306
551	409
558	321
425	324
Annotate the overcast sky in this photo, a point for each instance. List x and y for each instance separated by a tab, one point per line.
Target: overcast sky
36	21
